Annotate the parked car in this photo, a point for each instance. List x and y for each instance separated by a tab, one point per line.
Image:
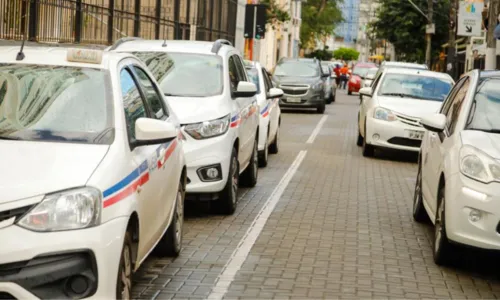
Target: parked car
369	77
96	173
270	113
330	83
400	65
359	72
302	82
391	109
209	89
458	180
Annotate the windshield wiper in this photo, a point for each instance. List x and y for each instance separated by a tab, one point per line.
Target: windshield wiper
402	95
484	130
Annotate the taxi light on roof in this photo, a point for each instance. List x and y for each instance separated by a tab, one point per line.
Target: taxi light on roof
84	56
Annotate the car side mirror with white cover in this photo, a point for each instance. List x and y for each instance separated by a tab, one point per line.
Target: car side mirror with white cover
366	91
245	89
435	122
274	93
152	131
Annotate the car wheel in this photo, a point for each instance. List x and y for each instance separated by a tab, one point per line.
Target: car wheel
171	242
368	150
442	248
274	147
334	95
359	141
250	175
124	278
329	99
229	196
419	213
263	155
321	108
349	92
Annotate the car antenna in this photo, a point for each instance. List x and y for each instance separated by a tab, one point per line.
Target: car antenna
20	54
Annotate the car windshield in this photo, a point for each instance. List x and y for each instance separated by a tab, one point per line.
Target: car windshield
486	106
300	69
326	69
55	104
361	71
371	73
185	74
415	86
253	74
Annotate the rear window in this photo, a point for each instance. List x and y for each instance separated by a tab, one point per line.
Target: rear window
55	103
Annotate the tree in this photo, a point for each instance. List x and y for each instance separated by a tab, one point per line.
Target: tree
324	54
275	13
346	54
404	27
319	18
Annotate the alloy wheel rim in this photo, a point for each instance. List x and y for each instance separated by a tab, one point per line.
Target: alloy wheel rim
126	273
234	188
179	211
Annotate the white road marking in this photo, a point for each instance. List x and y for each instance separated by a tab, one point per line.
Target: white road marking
316	130
245	245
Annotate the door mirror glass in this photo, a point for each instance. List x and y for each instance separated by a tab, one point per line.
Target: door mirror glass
435	122
245	89
152	131
274	93
366	91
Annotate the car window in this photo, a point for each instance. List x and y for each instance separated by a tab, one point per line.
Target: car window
153	98
267	80
233	73
241	68
297	69
485	108
253	75
132	102
455	107
376	81
415	87
447	103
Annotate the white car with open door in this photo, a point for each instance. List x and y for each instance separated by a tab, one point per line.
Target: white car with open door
458	181
208	87
96	173
391	109
270	113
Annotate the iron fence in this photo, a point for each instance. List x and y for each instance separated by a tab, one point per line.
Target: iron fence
104	21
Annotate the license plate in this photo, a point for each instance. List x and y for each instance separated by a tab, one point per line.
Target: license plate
414	134
293	100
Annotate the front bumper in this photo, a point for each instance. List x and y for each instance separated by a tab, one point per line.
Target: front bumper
47	265
208	152
391	135
464	195
310	100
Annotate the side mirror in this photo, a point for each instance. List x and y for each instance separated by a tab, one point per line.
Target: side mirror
274	93
245	89
334	76
435	122
366	91
152	132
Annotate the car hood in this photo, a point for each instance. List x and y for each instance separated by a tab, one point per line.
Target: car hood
489	143
296	80
37	168
198	109
417	108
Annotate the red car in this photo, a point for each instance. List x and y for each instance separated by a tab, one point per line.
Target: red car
358	74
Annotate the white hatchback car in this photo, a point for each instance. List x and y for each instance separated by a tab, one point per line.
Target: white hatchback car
390	110
270	113
96	173
208	88
458	181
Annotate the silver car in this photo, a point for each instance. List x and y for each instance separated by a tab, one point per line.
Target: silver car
330	84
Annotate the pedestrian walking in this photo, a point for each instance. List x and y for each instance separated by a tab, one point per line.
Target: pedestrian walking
343	76
337	73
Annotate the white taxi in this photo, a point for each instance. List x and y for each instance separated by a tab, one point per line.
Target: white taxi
390	110
458	181
208	87
96	173
270	113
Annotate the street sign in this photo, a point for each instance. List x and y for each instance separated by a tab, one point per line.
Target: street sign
430	28
470	17
255	21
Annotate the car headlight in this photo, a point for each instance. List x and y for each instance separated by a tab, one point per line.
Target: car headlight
317	86
384	114
478	165
208	129
67	210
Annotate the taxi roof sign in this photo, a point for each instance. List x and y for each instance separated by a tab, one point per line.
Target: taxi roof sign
84	56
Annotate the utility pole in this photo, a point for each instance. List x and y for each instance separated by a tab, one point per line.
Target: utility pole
450	64
428	51
491	42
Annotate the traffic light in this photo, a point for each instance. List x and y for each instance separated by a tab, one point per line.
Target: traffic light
255	21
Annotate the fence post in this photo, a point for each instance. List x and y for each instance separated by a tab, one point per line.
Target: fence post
33	21
111	21
158	18
78	21
137	19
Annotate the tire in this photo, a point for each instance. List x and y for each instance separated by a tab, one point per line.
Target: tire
171	242
329	99
349	92
321	108
263	155
274	147
441	247
419	213
334	95
250	175
359	141
368	150
228	198
124	278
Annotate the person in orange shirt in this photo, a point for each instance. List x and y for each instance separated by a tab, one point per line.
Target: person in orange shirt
343	76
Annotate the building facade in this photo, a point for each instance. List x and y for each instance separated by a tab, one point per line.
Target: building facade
348	29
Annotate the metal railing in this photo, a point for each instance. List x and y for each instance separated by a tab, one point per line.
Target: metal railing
105	21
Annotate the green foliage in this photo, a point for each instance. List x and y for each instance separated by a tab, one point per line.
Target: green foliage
319	18
275	13
346	54
321	54
403	26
